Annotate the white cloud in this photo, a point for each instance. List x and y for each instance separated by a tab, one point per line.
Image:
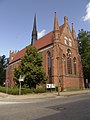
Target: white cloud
87	16
41	34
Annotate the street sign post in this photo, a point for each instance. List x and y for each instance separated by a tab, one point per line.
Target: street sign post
21	79
6	83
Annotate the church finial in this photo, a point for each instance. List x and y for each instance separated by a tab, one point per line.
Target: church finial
56	30
56	27
73	31
34	32
55	14
65	20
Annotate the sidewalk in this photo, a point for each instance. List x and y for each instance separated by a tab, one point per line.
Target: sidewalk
44	95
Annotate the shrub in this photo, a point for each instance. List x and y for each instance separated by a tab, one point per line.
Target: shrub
15	91
2	89
40	90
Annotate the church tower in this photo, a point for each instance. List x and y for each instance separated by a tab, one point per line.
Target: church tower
56	51
56	30
34	32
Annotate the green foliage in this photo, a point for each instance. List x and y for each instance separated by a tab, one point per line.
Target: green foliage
84	49
31	68
40	90
2	89
3	65
17	74
15	91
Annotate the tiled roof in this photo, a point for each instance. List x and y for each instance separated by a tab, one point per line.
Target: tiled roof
46	40
18	55
39	44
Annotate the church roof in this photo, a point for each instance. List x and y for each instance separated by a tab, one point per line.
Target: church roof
39	44
44	41
18	55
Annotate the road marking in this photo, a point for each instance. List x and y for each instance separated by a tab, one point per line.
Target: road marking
22	102
4	103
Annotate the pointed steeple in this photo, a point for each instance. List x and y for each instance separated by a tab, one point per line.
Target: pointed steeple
34	25
56	30
73	31
56	27
34	32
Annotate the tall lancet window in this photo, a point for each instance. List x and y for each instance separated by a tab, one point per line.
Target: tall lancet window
69	62
64	63
74	64
49	67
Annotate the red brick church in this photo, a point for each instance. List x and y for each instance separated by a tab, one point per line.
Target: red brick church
61	59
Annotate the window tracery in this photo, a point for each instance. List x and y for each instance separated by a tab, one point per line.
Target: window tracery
69	61
74	64
49	67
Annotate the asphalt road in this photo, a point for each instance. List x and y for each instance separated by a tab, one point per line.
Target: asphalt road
67	108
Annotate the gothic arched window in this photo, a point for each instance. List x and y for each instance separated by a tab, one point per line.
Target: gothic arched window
64	63
74	64
69	62
49	67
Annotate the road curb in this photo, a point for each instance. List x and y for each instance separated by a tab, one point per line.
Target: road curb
44	95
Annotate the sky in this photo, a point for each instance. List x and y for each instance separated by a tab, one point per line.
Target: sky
17	16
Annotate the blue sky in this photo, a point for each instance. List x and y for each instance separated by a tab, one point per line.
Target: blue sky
16	19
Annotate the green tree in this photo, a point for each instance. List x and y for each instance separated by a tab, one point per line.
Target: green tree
3	65
31	68
84	49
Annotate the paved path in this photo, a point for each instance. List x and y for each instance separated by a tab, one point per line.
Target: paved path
43	108
44	95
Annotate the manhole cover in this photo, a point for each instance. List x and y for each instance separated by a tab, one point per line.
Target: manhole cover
57	108
60	108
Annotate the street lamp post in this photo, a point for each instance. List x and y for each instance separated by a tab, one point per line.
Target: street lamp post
58	87
7	85
58	76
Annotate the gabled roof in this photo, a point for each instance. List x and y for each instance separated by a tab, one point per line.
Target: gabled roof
46	40
18	55
39	44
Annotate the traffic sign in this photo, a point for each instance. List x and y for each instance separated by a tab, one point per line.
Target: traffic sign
21	79
7	81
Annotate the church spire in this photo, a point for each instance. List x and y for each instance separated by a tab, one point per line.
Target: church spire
73	31
34	32
56	30
56	27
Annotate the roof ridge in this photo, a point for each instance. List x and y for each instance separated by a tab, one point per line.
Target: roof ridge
40	43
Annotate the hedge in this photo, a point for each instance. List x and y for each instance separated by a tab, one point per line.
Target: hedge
15	91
